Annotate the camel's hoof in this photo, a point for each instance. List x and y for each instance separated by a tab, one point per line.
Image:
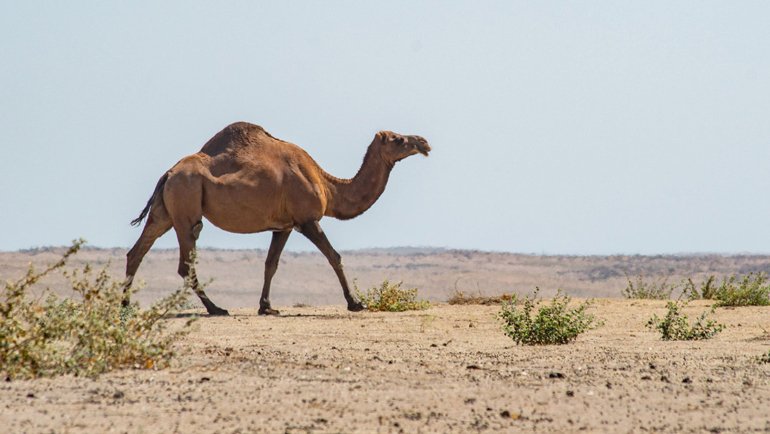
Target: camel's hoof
268	311
216	311
356	307
125	302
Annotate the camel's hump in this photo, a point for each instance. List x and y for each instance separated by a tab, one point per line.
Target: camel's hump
236	135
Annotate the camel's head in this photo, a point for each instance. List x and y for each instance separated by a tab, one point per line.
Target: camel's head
395	147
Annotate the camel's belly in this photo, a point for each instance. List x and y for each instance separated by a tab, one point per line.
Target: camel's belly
244	220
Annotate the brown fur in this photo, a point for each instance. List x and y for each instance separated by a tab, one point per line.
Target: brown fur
244	180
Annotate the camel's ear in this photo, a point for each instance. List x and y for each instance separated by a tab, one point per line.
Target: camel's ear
385	136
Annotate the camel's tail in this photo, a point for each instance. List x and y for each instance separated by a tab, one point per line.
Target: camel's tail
146	210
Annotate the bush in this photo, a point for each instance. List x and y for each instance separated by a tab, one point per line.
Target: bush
552	324
647	290
86	335
675	326
391	298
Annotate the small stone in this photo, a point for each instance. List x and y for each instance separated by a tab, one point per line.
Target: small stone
686	380
555	375
118	394
570	393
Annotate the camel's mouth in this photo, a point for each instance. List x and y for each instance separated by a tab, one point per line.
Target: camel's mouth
423	148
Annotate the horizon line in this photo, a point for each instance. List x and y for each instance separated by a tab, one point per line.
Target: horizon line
414	249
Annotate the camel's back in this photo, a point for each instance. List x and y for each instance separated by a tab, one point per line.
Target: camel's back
252	153
240	137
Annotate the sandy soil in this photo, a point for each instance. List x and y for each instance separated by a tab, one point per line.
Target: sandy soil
446	369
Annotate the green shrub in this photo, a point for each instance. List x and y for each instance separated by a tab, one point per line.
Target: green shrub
390	297
554	323
647	290
749	290
85	335
676	327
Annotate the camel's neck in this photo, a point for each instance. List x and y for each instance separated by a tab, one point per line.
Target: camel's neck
351	197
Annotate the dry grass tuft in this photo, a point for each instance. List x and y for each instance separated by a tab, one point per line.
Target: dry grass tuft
460	297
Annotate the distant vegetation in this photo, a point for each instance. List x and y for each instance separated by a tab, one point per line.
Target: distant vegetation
707	289
553	323
674	326
641	289
85	335
389	297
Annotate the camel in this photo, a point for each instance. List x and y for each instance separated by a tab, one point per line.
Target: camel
244	180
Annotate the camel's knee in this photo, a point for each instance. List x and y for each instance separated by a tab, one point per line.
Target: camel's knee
183	270
196	229
272	264
335	260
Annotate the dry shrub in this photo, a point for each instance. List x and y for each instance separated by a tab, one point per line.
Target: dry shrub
460	297
389	297
85	335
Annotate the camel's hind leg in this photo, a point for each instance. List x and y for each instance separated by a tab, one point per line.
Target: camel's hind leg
187	237
157	224
183	196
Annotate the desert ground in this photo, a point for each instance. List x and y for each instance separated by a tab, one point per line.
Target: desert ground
319	368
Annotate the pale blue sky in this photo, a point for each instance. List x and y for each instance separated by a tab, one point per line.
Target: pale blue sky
557	127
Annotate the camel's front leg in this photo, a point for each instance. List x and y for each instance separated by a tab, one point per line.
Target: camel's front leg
314	233
271	265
